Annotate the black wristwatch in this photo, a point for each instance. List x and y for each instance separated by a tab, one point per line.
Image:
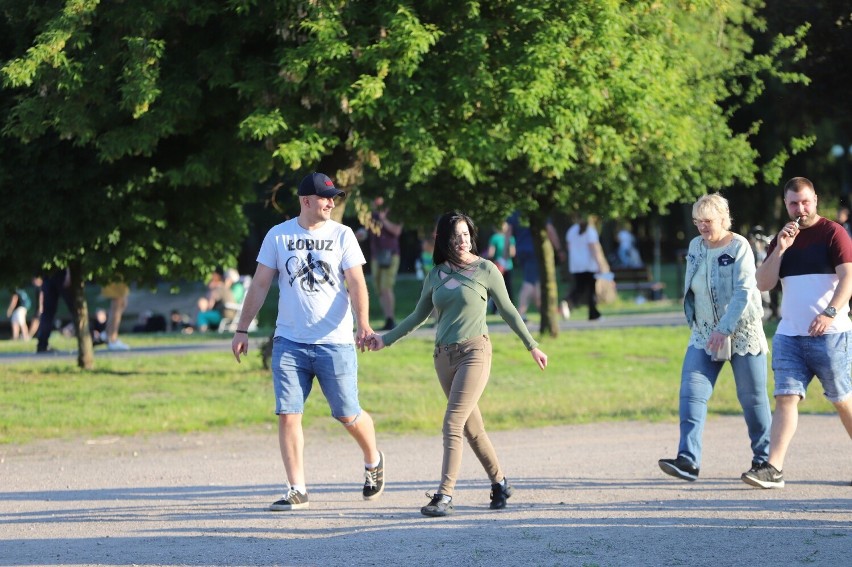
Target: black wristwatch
830	312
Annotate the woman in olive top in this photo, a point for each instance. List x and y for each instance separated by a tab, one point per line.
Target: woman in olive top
458	288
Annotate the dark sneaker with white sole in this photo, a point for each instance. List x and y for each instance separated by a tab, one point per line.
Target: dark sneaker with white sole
374	484
679	468
755	466
293	500
439	505
499	494
765	476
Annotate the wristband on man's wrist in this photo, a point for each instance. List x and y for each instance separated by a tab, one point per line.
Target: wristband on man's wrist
241	332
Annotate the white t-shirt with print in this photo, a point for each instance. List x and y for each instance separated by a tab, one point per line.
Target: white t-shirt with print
313	302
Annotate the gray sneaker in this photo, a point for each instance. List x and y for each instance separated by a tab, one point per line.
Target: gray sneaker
293	500
374	484
764	476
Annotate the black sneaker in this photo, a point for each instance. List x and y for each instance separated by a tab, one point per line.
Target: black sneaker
765	476
439	505
754	467
293	500
499	494
374	484
679	468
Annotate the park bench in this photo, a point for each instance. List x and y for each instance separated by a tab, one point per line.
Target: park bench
639	280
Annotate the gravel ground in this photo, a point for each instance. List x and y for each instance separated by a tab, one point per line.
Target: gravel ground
585	495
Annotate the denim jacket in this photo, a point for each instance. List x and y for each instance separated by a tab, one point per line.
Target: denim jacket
733	288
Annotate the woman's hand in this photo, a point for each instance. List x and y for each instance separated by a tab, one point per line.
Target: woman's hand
539	357
375	342
716	340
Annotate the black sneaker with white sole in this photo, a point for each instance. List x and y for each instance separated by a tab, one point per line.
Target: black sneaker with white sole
374	483
765	476
755	466
679	468
293	500
439	505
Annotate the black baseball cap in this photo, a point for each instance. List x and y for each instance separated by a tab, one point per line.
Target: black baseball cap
319	184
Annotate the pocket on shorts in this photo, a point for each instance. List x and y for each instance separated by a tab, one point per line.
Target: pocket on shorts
344	362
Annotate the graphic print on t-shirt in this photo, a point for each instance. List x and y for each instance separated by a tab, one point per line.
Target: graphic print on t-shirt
312	272
313	306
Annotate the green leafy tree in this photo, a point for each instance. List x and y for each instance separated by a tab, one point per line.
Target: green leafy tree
168	112
163	115
813	111
131	164
598	107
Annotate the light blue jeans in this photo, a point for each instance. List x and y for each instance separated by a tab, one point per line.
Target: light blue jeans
295	365
797	359
697	380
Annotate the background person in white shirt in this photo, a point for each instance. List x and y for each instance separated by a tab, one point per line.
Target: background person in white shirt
585	259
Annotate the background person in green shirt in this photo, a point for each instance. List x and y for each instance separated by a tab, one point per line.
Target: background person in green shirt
501	251
458	288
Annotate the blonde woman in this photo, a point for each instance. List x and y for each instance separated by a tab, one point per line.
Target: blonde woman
723	307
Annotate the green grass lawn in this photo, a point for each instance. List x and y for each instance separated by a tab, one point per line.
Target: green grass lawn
594	375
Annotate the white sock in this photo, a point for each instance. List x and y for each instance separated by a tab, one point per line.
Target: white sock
299	488
372	465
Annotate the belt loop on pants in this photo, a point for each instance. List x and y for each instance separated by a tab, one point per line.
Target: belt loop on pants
452	347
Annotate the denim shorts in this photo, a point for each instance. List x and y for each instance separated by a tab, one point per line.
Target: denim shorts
795	361
295	365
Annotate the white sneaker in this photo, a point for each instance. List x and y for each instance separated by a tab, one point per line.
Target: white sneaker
564	309
117	345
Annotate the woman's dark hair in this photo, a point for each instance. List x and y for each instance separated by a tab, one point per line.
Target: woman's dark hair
446	240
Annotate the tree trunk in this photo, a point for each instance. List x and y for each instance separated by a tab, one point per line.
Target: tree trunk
547	274
85	348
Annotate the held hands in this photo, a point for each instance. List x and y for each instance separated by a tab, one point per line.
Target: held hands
362	338
539	357
374	342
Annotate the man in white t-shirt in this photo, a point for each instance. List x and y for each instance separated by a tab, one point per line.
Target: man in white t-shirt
321	285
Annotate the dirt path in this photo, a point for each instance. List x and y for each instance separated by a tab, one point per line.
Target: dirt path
585	495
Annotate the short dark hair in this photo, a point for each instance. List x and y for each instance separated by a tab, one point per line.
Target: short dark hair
797	184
